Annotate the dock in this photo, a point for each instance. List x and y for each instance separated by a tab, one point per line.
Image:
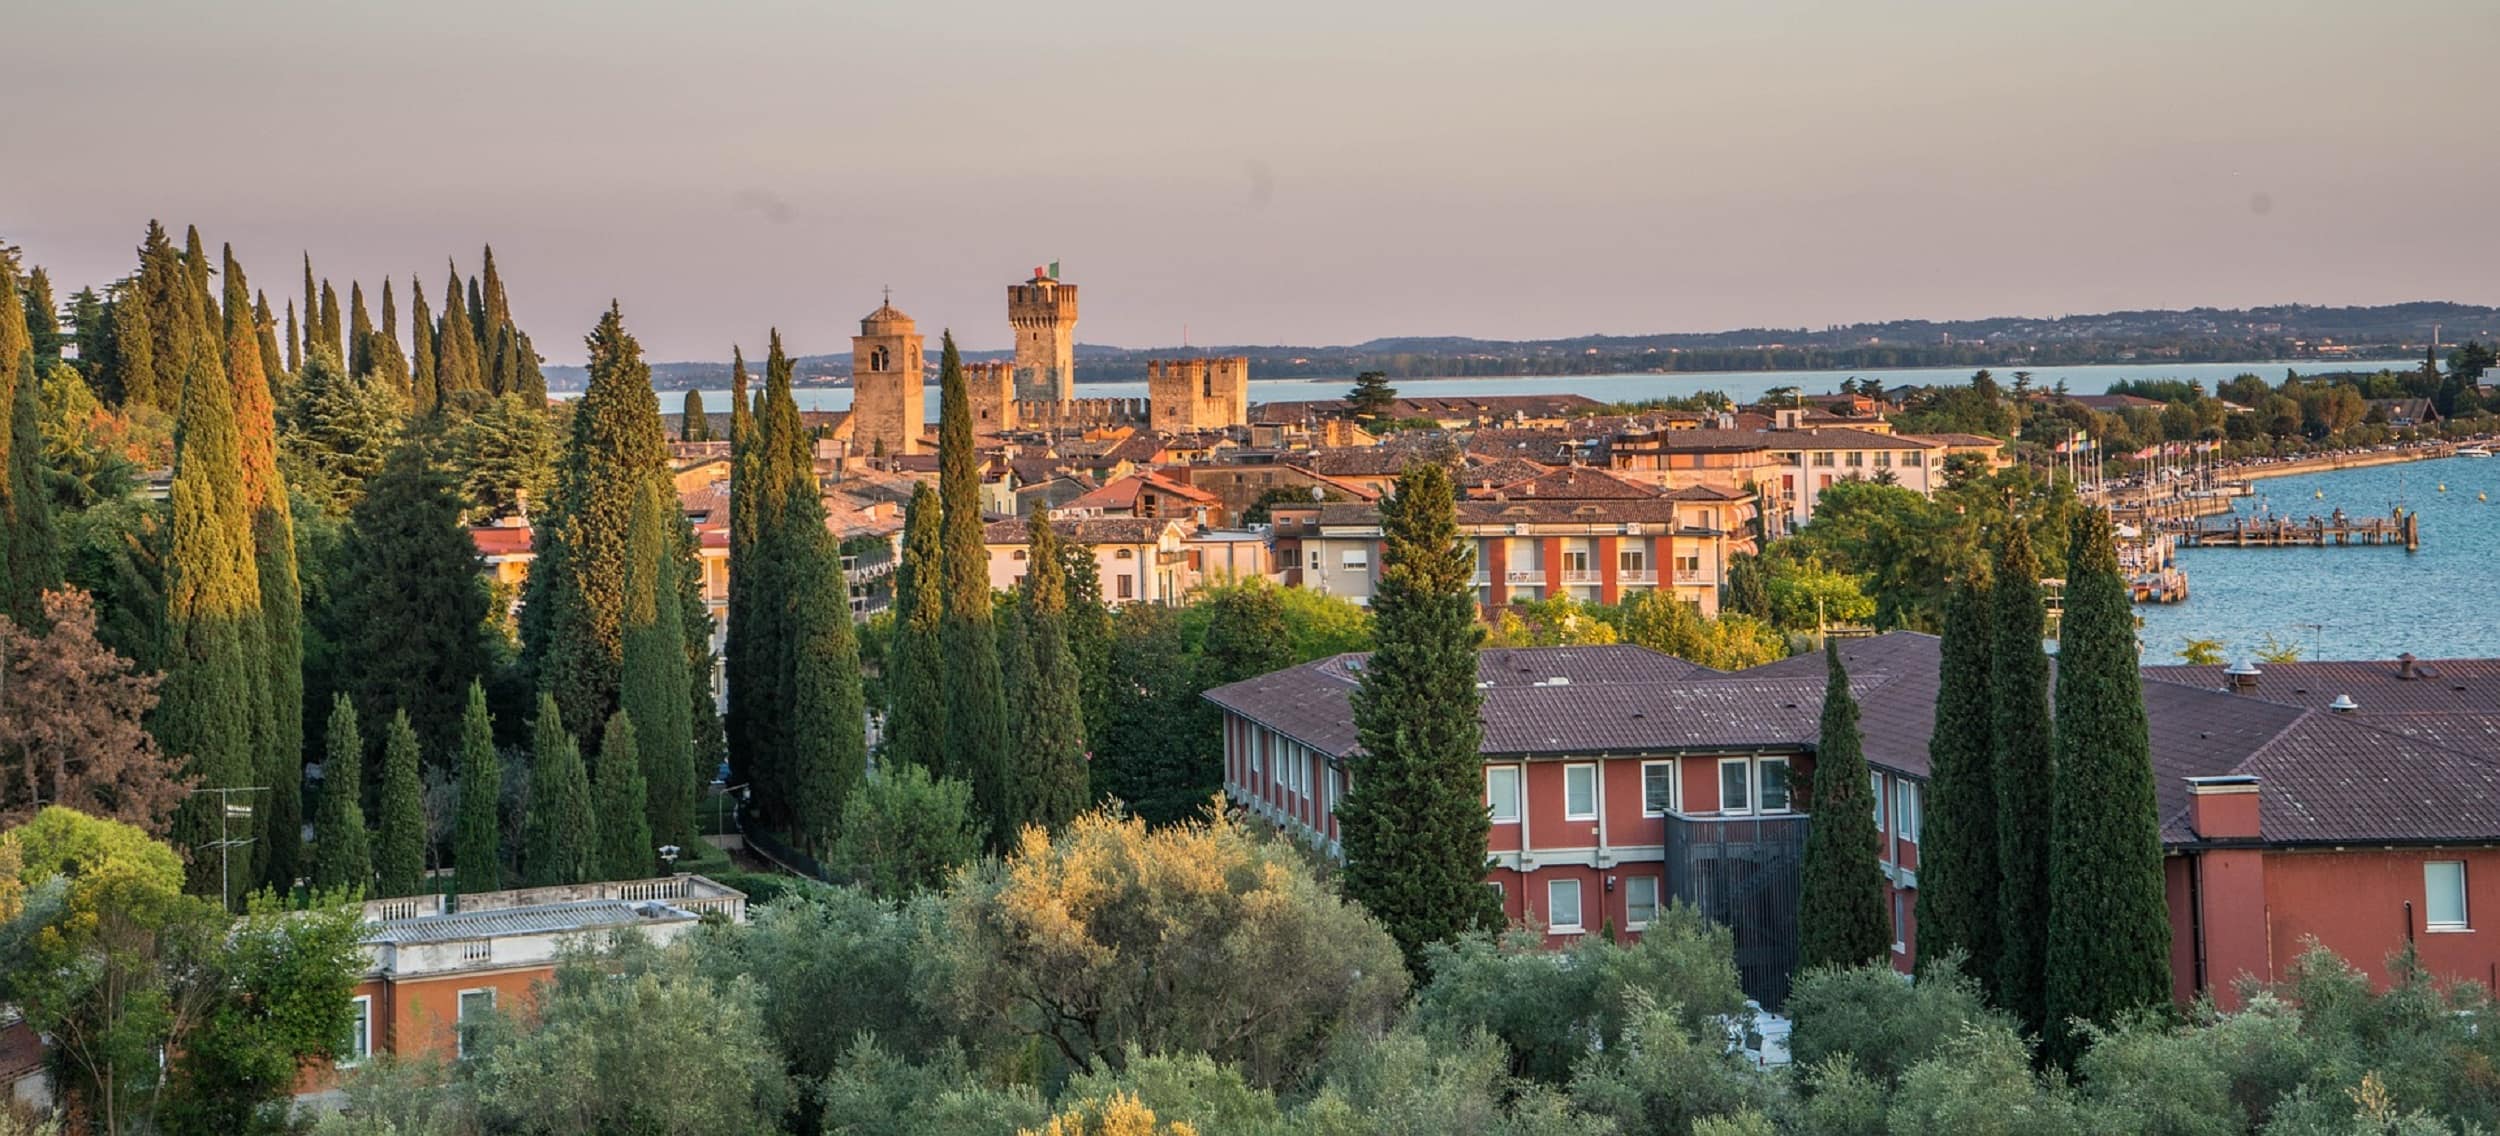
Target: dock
2335	530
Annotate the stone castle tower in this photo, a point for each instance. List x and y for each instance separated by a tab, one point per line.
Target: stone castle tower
991	390
888	412
1197	394
1043	311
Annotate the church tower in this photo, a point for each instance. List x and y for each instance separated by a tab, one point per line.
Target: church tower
887	408
1043	311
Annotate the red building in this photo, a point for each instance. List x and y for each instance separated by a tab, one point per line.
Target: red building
1619	779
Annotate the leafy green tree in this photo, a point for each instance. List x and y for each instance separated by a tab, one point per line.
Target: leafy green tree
1883	1026
1413	822
1246	633
692	424
332	337
1666	1077
1958	854
1840	901
270	996
904	832
359	331
477	830
653	682
1158	771
2108	948
342	859
915	723
390	364
625	847
1372	396
407	611
572	624
2018	682
561	842
835	963
976	702
503	452
43	317
399	856
1052	783
340	430
174	320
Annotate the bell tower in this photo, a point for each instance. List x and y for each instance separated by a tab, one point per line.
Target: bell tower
887	409
1043	311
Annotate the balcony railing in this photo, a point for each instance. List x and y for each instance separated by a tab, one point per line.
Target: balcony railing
1692	576
1579	576
1527	576
1636	576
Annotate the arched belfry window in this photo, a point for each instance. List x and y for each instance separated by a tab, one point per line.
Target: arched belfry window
878	360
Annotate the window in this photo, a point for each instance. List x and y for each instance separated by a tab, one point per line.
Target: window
1258	746
473	1004
1900	921
1774	785
2444	880
1315	560
1735	781
1913	458
1857	459
1689	565
1128	586
1501	793
1562	906
1575	560
1905	809
1875	788
1883	459
359	1043
1657	788
1579	792
1019	554
1355	559
1640	901
1632	560
1125	554
1823	458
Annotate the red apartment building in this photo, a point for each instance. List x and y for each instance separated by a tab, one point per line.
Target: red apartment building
1618	779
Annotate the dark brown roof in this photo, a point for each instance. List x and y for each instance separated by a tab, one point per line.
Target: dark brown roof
1572	483
1083	530
1360	461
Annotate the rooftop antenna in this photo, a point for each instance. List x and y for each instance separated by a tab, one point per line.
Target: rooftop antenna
889	295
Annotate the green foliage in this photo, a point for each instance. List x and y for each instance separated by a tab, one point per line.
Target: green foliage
477	830
874	1092
835	963
341	857
503	454
1982	1084
904	833
915	723
653	678
1161	772
2109	922
1879	1021
30	557
1372	396
1905	549
693	425
560	844
626	851
399	858
1656	619
408	608
1807	594
86	446
1664	1077
340	430
1413	822
1976	407
976	703
743	657
276	995
1841	915
1316	625
2022	730
1051	780
1958	853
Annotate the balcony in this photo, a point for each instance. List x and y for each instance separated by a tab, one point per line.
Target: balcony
1693	576
1526	576
1636	576
1579	576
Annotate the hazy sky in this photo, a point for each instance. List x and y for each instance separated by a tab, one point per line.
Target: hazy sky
1275	171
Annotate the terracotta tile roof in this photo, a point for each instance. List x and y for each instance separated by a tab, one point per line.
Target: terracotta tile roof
1572	483
501	540
1950	438
1123	493
1084	530
1360	461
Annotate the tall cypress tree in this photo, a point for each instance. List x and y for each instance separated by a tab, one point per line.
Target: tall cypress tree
195	266
2108	921
399	855
1015	676
333	336
388	360
359	332
1413	822
29	551
280	644
748	613
625	848
1840	901
915	724
560	839
424	393
43	317
1051	784
1089	639
1958	868
341	858
128	376
692	424
214	701
294	346
820	750
457	372
573	620
408	604
312	311
652	686
477	832
2018	681
705	746
270	352
976	703
163	294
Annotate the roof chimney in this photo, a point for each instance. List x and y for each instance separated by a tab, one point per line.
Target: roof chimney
2223	807
2405	668
2242	675
2343	704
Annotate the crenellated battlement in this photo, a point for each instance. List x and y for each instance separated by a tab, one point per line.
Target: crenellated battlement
1080	413
991	390
1043	312
1041	304
1199	394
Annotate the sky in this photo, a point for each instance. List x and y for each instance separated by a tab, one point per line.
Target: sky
1287	171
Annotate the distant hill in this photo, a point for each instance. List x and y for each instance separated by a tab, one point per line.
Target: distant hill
2196	335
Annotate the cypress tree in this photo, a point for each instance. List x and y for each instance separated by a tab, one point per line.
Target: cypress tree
652	687
266	326
129	377
359	332
976	703
195	266
399	855
456	368
747	611
1841	919
29	550
163	292
820	749
1015	676
915	724
312	311
388	360
573	633
1958	856
493	310
1051	777
532	384
43	319
478	330
2108	921
625	847
424	393
91	318
1413	822
333	337
408	605
560	840
1089	639
280	643
692	425
340	856
477	832
705	746
2018	681
215	695
294	346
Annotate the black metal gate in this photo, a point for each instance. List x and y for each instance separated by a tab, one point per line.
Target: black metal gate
1745	872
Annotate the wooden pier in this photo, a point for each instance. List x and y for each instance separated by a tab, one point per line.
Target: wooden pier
2332	531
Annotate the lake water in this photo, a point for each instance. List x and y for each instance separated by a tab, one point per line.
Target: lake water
1744	386
2352	603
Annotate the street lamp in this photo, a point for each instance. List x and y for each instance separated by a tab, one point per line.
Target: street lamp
668	855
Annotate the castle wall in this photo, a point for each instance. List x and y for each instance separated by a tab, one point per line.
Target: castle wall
1198	394
1043	312
1080	413
991	390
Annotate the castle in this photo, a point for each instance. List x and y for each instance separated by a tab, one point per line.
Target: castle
1037	390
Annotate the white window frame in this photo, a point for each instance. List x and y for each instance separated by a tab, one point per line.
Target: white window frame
1900	912
1875	784
1579	907
460	1016
360	1043
1589	768
1907	809
1258	743
1631	886
1675	788
1744	783
2465	912
1492	803
1788	790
